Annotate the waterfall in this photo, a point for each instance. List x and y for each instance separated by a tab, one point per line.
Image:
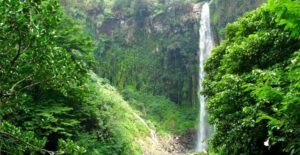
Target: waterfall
205	46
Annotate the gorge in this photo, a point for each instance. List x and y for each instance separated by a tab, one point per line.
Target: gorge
151	77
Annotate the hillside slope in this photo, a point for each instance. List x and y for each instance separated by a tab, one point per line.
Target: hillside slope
128	129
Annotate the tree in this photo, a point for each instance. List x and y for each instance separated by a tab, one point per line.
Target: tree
251	85
44	59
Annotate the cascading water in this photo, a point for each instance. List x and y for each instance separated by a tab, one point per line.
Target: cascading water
205	46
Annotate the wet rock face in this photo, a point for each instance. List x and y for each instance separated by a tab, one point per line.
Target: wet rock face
168	145
177	145
188	140
174	146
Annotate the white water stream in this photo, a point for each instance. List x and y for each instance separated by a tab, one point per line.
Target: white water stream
205	46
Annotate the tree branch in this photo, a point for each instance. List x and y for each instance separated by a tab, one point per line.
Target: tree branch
13	61
8	135
36	83
12	89
20	51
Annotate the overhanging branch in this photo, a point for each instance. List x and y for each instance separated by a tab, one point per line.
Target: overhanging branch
12	91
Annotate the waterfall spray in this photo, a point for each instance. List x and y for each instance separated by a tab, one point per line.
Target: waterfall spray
205	46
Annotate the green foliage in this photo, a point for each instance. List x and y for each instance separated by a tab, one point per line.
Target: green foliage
252	87
113	127
48	101
200	153
152	50
51	115
226	11
78	43
69	147
287	14
42	65
11	136
163	114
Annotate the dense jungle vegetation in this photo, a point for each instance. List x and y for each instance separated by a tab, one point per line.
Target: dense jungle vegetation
150	46
252	83
110	76
49	97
